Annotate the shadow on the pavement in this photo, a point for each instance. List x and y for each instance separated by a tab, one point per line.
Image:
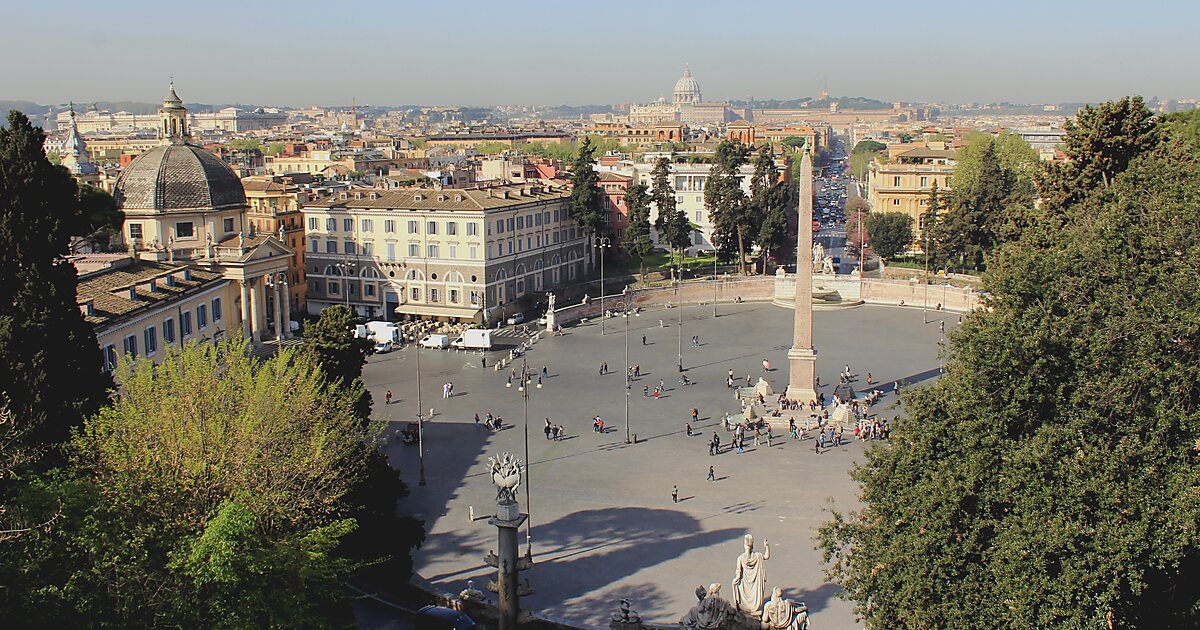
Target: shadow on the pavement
816	599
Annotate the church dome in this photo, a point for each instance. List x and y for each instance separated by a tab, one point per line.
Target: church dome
178	177
686	88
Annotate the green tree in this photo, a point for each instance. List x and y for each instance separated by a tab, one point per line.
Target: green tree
857	214
1016	158
586	197
1048	478
973	221
770	200
99	220
674	229
794	143
733	217
637	240
212	492
889	232
51	375
933	214
868	146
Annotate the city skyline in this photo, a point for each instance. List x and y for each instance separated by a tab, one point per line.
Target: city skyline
1030	53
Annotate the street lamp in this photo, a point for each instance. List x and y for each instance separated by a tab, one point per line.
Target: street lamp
523	388
715	284
679	305
628	369
420	418
347	269
602	242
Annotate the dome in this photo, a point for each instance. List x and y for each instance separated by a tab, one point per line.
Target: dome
178	177
686	88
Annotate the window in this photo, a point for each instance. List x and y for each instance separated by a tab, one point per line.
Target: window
896	202
499	226
537	219
185	323
414	250
131	345
896	180
366	225
698	216
333	287
216	309
347	225
169	331
368	248
510	224
185	229
201	316
330	224
453	251
924	182
391	252
474	298
227	225
110	357
474	251
454	296
431	227
389	226
312	224
520	223
314	246
151	338
415	292
369	290
433	295
414	227
452	228
348	247
472	229
433	251
331	247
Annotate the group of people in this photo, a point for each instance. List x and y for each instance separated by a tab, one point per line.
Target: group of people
447	390
554	431
492	422
873	429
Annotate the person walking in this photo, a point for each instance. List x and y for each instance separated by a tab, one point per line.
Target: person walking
549	429
688	427
695	414
643	340
545	372
712	474
714	445
674	494
387	397
477	418
645	391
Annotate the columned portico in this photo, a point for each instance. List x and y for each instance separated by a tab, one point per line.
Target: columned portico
286	301
246	331
258	306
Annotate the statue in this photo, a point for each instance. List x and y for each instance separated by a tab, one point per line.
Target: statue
281	234
710	612
818	254
550	302
827	266
241	240
625	613
782	614
585	299
506	474
750	578
208	245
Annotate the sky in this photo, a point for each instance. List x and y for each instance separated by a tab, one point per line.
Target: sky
469	52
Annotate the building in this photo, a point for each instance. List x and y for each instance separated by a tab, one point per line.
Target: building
686	107
688	178
274	208
75	157
616	214
185	216
638	135
458	255
903	184
230	119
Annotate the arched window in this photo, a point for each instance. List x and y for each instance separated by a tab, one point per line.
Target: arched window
414	274
520	270
556	261
333	270
539	264
454	276
371	273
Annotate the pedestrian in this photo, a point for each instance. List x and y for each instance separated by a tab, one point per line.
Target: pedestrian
712	474
645	391
688	425
747	380
870	379
657	393
387	398
714	445
674	494
766	366
643	340
545	372
695	414
817	446
477	418
768	436
637	370
549	428
483	362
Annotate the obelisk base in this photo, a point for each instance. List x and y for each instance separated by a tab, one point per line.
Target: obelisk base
802	363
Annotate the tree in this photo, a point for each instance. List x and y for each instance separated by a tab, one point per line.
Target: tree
212	492
674	229
100	220
770	200
857	213
1048	477
733	218
971	225
1015	157
794	142
586	195
868	146
333	347
928	221
637	236
51	374
889	232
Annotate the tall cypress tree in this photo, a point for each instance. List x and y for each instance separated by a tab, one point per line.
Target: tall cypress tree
733	226
585	194
50	365
674	229
637	238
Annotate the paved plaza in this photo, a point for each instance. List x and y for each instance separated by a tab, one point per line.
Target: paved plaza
603	522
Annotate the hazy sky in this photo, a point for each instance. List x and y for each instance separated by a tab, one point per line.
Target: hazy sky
600	51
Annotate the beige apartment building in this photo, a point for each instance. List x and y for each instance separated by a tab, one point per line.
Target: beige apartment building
903	183
454	255
274	208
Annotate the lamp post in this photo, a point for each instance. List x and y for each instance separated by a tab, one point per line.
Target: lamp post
523	388
716	285
420	418
679	305
602	243
628	369
347	268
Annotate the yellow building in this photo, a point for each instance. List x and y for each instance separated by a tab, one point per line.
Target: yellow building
903	183
274	205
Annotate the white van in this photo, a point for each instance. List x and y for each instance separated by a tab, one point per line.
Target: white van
436	341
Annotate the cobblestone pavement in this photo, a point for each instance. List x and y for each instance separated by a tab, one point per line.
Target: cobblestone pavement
603	522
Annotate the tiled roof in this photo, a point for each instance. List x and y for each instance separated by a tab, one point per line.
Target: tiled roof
447	199
108	290
178	177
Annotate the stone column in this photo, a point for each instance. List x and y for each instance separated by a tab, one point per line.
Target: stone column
508	522
802	358
246	332
287	308
280	298
258	311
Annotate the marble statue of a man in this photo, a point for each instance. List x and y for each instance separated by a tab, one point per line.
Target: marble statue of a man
782	614
750	578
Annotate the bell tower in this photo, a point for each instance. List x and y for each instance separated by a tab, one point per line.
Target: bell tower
173	126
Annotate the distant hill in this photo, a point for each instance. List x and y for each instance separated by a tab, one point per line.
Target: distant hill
844	102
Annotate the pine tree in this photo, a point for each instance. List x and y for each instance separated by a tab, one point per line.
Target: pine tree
50	375
586	197
731	213
637	237
674	229
772	200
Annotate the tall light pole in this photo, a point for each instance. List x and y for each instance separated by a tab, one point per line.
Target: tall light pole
679	305
602	243
628	370
716	285
420	418
523	388
925	306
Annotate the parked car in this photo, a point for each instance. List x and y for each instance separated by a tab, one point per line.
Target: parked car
518	318
384	347
441	618
435	341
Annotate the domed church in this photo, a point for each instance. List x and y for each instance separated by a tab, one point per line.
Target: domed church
184	207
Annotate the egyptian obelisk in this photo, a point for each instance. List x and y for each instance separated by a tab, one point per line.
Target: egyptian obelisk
802	359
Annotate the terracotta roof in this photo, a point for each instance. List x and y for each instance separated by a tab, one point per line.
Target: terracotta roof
608	176
109	290
448	199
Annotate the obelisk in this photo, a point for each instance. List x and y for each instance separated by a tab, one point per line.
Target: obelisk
802	359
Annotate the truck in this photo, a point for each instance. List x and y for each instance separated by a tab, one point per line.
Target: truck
380	331
474	339
435	341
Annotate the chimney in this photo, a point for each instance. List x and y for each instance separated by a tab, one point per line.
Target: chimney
133	296
152	286
171	280
441	197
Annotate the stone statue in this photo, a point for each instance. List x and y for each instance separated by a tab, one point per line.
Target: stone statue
585	299
827	265
506	474
710	612
281	233
550	302
783	614
818	254
241	240
208	245
750	578
625	613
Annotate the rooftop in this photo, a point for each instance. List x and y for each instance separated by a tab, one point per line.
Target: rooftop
111	291
449	199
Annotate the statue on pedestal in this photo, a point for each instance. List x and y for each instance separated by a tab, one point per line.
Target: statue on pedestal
783	614
710	613
550	298
818	254
506	474
750	578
